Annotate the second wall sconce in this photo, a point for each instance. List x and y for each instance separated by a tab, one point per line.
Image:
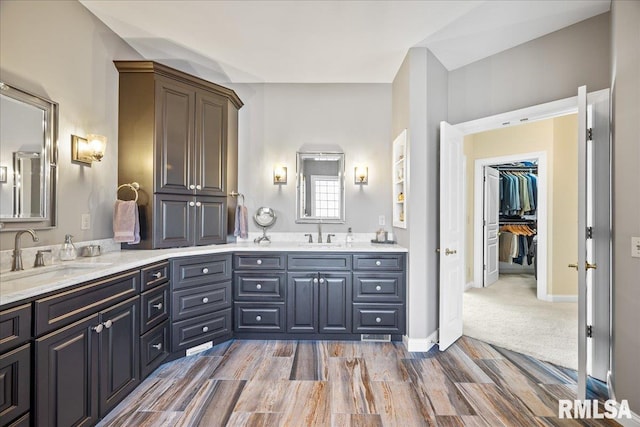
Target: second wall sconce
279	175
361	175
88	150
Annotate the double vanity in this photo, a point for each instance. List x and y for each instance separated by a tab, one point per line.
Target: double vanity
87	333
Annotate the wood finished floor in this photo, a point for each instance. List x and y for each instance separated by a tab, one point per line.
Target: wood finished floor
341	383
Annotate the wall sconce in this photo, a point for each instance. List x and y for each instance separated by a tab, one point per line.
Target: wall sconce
279	175
88	150
361	175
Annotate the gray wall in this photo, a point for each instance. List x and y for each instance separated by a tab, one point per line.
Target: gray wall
542	70
60	51
419	104
625	83
278	120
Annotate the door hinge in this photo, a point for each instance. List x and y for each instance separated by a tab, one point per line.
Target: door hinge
589	232
590	134
484	267
484	222
589	331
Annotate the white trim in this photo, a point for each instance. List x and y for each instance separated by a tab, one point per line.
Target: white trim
562	298
542	209
420	344
470	285
634	421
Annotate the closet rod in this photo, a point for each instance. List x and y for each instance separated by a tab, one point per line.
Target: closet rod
516	168
525	222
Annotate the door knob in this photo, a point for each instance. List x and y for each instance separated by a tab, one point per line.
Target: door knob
573	266
448	251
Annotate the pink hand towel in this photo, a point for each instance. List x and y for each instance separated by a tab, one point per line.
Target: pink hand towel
126	224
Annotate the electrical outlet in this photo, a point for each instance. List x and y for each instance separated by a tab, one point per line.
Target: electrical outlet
85	222
635	247
381	220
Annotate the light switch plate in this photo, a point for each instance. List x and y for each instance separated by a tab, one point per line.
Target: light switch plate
85	222
635	247
381	220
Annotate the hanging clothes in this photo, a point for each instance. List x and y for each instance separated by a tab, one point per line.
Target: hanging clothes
518	193
515	243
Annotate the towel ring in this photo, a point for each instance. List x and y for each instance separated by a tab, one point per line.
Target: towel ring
133	186
236	194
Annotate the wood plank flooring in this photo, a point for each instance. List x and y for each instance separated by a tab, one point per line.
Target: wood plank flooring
339	383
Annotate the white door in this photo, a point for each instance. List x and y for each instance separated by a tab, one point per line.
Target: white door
491	224
594	231
451	234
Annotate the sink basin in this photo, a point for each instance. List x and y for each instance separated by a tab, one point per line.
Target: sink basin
57	271
321	245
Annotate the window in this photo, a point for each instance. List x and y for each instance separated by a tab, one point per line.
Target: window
326	201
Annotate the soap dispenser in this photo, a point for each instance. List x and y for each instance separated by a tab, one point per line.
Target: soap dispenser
68	250
349	238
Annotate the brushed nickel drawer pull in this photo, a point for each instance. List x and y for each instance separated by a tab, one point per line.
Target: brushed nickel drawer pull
108	324
157	346
205	300
205	328
259	262
258	286
378	263
258	318
192	187
378	288
378	320
198	187
205	270
322	280
192	204
98	328
198	204
157	306
157	275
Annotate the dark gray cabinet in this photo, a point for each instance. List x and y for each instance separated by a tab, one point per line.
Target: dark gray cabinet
186	128
15	384
201	300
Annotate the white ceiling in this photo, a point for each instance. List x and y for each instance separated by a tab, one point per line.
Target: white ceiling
329	41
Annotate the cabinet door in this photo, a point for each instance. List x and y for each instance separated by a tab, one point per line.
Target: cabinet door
67	375
119	355
174	221
175	105
302	296
211	220
15	383
335	303
210	146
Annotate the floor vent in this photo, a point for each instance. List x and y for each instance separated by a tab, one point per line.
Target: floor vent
375	337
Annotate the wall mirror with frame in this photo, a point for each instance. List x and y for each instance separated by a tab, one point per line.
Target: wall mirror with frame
28	147
320	187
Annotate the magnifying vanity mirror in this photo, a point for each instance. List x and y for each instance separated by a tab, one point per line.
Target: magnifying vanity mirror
320	188
28	138
265	218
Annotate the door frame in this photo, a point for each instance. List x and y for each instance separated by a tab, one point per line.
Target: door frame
542	216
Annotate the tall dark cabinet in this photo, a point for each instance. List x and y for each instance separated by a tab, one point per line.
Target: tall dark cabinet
178	138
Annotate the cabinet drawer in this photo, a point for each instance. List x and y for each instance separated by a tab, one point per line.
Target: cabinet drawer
155	307
259	261
199	270
318	262
154	275
197	330
200	300
63	308
380	287
253	317
15	327
154	348
15	383
380	318
379	262
259	286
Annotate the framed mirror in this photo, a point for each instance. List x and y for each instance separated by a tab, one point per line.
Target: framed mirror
28	147
320	188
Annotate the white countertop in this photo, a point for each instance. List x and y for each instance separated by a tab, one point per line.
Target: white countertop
18	286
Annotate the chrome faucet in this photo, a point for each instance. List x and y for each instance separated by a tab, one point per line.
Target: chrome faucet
319	233
16	265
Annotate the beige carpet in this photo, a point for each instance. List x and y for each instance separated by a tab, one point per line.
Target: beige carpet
509	315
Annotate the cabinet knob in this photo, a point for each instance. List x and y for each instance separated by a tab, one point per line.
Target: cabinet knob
378	320
315	280
321	280
198	187
157	306
192	203
192	187
198	204
205	328
378	288
205	300
205	270
98	328
258	286
108	324
157	346
378	262
259	262
157	275
258	318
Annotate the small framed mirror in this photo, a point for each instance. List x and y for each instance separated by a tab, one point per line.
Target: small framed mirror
320	188
28	138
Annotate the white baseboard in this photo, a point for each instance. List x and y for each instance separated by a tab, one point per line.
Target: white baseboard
634	421
468	286
561	298
420	344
